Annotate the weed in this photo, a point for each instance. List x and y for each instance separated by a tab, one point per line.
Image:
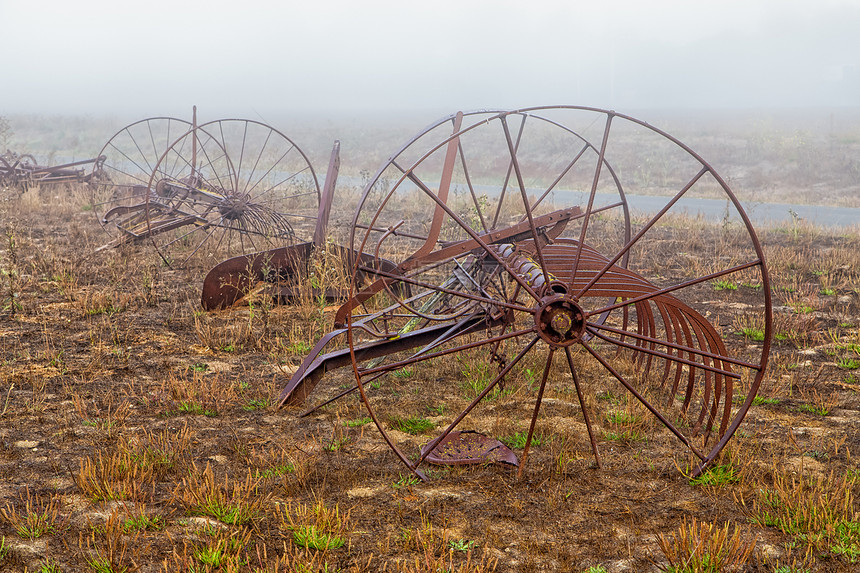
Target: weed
298	348
275	471
6	401
4	549
724	284
337	443
477	375
10	298
717	475
813	409
199	367
38	518
316	527
462	544
110	550
801	308
407	480
223	552
106	418
196	409
750	327
413	426
115	476
752	333
699	547
308	536
258	404
848	363
236	503
518	440
621	418
142	521
626	436
817	512
595	569
404	373
437	410
437	552
49	566
358	422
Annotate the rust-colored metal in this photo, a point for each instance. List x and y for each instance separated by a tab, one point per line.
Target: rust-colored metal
469	447
501	274
22	171
283	270
206	192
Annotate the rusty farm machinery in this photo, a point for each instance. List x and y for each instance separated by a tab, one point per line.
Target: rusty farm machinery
504	241
206	192
22	171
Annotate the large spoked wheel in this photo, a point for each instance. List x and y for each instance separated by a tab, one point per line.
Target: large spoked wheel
119	190
227	188
512	230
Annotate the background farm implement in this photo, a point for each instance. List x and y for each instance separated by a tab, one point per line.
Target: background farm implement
22	171
206	192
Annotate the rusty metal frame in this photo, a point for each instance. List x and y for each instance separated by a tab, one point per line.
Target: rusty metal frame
554	274
22	171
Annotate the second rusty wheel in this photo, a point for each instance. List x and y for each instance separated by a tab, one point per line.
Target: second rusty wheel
118	193
227	188
512	230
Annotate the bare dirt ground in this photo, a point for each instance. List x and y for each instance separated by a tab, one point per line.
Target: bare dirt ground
138	433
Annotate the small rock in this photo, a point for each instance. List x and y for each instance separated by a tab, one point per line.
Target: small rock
363	492
29	552
26	444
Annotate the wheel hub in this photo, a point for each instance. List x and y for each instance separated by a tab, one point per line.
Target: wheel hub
560	320
234	205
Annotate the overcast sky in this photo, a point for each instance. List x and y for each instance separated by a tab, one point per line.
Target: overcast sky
253	56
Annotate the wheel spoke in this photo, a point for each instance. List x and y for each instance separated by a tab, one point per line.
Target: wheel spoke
589	208
463	347
546	368
630	388
623	251
432	445
668	290
594	328
519	176
581	399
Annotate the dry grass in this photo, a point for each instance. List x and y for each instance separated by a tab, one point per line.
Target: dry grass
699	547
154	429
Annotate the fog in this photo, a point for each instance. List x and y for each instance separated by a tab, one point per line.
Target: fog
258	58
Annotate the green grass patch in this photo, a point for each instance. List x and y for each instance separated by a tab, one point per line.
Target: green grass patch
518	440
753	333
413	426
717	475
312	538
724	284
815	410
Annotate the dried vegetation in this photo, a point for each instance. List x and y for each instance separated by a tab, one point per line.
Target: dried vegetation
137	433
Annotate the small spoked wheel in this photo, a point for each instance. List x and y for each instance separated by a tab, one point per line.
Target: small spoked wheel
227	188
119	190
528	277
